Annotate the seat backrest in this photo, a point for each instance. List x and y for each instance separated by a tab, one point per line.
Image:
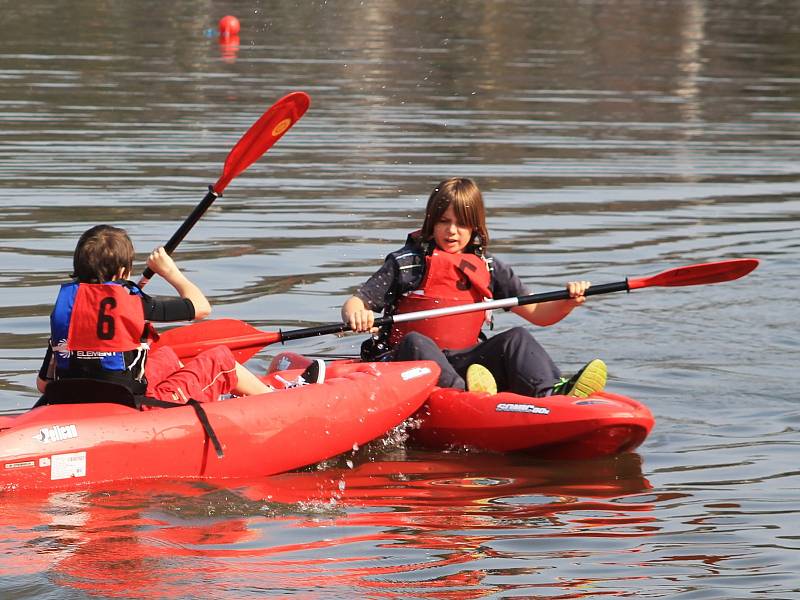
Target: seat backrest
82	391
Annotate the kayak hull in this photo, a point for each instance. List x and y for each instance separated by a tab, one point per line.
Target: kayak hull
72	445
560	427
557	427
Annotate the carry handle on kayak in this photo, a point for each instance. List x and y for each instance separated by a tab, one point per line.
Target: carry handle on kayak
261	136
245	340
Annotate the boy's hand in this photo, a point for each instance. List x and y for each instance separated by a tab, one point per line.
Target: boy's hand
162	264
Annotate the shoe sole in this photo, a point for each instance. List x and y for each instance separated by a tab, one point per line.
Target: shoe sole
591	380
480	379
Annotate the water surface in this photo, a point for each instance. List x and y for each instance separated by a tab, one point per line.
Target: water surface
611	139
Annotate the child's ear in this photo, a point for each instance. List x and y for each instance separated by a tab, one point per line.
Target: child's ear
123	273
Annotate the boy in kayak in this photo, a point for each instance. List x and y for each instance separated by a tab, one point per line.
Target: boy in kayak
100	328
444	264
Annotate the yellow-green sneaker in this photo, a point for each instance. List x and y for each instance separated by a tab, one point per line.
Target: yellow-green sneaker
480	379
589	380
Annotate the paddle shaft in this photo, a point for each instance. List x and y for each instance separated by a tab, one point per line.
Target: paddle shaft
698	274
606	288
184	229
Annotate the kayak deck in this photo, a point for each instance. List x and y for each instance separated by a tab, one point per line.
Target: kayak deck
70	445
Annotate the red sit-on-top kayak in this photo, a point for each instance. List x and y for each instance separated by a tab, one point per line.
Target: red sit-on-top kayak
70	445
561	427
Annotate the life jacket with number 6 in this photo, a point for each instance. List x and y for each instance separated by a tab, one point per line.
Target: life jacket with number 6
449	280
98	328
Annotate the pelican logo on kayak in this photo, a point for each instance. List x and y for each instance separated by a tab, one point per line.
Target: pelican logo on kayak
414	373
284	363
522	408
58	433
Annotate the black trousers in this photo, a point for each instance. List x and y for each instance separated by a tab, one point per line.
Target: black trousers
517	361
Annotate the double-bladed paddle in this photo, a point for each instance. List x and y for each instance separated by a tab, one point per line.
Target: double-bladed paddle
261	136
245	340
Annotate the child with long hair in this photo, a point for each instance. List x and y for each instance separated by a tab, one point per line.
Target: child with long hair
447	263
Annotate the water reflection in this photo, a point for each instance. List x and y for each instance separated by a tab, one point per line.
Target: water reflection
229	48
304	526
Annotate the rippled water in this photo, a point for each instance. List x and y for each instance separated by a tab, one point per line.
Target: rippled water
611	139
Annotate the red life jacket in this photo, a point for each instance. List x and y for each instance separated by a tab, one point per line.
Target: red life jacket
450	280
106	318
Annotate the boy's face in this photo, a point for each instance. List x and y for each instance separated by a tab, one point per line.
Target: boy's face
451	236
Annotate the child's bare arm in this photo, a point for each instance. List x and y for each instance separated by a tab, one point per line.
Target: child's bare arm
549	313
162	264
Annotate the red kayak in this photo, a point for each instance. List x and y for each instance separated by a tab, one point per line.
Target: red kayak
562	427
70	445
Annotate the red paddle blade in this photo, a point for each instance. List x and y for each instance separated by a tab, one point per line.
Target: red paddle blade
716	272
243	340
262	135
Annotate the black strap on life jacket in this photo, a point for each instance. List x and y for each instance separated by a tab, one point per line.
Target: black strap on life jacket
86	391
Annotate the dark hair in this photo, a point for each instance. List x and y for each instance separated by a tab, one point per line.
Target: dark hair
101	252
465	196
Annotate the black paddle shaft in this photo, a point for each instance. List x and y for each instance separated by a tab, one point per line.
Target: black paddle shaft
184	229
594	290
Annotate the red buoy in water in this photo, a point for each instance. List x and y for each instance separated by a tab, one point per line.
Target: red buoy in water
229	26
